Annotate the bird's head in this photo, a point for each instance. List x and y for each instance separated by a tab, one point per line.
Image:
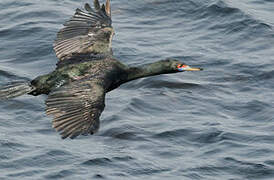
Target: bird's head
178	66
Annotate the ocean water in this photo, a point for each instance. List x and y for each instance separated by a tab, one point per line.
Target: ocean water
214	124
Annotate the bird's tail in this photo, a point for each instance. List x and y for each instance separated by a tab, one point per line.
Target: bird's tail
15	89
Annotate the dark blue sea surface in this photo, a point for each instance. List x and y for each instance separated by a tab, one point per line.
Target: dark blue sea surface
210	125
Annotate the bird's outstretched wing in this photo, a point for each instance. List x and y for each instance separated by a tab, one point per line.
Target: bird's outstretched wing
77	107
89	31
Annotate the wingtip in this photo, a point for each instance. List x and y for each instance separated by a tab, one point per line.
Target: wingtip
96	5
108	8
88	8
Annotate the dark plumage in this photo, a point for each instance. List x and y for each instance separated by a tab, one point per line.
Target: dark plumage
86	71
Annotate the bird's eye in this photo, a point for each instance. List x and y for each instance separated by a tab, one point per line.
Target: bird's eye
179	66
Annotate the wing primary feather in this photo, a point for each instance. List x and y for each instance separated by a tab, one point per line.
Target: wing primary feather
65	48
82	13
108	8
88	8
72	49
62	44
87	16
65	42
72	125
80	20
61	112
69	108
103	9
66	125
72	112
68	29
74	135
97	5
66	133
90	15
52	111
60	121
83	17
61	99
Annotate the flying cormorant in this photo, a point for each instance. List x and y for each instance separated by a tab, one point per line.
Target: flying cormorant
85	72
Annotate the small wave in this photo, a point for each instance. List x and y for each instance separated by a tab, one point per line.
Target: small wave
12	4
245	170
245	72
8	75
41	160
221	9
217	10
212	135
99	176
46	131
170	85
58	152
106	161
175	133
265	75
148	171
248	169
232	21
26	173
59	175
137	105
192	136
238	26
269	162
98	161
13	145
124	133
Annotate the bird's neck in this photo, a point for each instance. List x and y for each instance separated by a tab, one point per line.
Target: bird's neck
146	70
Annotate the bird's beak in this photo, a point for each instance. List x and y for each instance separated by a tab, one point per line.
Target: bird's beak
193	69
188	68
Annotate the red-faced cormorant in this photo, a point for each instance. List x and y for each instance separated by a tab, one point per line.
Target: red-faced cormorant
86	71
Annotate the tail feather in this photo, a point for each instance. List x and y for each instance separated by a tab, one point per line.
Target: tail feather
15	89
